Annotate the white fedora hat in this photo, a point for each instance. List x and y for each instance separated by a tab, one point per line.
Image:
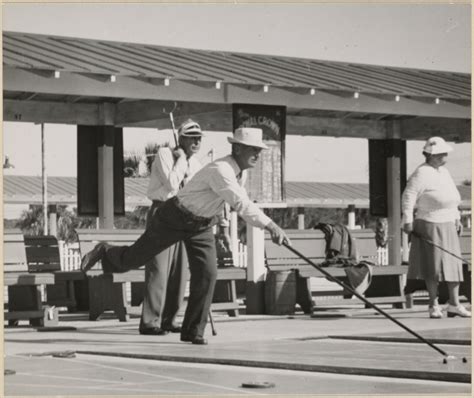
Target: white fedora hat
436	145
248	136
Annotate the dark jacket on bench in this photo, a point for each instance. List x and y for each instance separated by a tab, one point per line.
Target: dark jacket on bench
341	251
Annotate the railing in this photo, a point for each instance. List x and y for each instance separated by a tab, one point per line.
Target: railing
382	256
241	258
70	256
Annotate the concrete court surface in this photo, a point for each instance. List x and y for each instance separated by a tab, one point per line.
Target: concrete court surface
112	359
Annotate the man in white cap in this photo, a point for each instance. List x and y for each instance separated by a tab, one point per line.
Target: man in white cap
166	273
189	217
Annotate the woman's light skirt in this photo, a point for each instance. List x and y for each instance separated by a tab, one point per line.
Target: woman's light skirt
429	262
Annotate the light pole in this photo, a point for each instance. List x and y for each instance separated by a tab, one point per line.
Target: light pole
44	184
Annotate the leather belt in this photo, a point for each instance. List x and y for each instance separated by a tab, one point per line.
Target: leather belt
188	213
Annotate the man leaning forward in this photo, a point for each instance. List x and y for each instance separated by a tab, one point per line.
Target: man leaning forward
189	217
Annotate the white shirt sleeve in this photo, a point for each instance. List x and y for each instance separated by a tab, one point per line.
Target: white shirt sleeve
224	183
410	195
170	172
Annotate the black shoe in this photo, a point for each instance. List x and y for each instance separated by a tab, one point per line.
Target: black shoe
156	331
172	329
194	339
91	258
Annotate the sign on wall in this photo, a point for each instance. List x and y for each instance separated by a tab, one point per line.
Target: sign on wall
265	182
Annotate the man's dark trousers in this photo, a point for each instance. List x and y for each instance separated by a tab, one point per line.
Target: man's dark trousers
165	283
169	225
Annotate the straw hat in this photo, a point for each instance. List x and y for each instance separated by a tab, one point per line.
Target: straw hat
248	136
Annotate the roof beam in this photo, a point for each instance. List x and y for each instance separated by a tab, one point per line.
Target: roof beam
52	112
128	87
156	113
218	117
458	130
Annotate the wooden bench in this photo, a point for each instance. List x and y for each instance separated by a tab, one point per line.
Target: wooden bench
387	281
465	287
42	254
24	286
108	291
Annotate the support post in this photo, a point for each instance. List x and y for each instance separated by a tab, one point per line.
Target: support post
405	247
53	220
351	218
44	184
234	238
300	217
394	202
255	298
106	178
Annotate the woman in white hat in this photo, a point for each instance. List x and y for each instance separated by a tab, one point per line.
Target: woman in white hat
430	209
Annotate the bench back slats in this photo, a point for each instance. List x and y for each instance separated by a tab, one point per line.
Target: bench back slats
312	244
14	256
42	253
88	238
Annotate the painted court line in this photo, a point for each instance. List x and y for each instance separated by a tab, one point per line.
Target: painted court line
53	376
165	377
105	388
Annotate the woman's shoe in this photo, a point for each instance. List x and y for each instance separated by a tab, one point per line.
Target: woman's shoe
435	312
458	311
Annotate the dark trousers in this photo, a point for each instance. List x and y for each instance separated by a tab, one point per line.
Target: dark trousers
169	225
165	283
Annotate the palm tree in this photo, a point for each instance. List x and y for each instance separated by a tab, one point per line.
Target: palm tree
131	163
69	221
31	221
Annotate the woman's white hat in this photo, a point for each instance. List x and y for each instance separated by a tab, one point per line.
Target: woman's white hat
248	136
436	145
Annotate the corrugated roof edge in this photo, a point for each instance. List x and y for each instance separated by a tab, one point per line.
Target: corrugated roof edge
345	63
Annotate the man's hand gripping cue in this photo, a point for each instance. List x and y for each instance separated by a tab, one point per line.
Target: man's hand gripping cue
278	235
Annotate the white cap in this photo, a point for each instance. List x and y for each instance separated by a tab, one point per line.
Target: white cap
248	136
190	128
436	145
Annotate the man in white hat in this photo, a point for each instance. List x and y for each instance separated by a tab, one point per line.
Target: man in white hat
189	217
166	274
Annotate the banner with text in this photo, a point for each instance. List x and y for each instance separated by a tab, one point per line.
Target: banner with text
265	182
